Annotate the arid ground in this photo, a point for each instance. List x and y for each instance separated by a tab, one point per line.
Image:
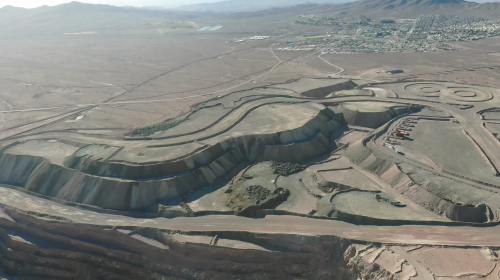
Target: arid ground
159	153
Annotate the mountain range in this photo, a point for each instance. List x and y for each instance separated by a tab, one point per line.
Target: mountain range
79	17
232	6
377	8
411	8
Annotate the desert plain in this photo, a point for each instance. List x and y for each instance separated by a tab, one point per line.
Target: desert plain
143	151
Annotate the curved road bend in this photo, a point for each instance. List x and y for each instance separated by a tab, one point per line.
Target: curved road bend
84	107
472	124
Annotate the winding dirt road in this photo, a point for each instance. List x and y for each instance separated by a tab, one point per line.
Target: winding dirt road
406	234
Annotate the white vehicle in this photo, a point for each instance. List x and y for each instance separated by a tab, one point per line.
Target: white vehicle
394	149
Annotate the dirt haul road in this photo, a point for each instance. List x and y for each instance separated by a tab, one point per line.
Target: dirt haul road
405	234
469	121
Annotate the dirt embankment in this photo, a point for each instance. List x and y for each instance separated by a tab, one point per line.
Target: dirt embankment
423	189
27	250
372	114
122	186
417	188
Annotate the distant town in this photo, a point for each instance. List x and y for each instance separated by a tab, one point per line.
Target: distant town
364	34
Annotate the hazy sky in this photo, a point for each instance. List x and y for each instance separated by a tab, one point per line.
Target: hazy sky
137	3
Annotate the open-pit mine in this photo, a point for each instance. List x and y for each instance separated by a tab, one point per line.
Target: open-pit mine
227	159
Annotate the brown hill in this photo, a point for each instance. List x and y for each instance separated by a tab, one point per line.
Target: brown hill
76	17
405	8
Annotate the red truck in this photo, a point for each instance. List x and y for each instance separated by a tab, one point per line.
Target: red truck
400	133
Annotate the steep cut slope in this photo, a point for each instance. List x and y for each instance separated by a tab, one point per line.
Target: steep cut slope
442	195
372	114
86	179
35	248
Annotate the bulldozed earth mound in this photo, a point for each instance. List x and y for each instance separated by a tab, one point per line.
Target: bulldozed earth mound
89	175
453	200
372	114
437	193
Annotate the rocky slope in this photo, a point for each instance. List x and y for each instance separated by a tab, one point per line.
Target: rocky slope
35	248
126	186
420	186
